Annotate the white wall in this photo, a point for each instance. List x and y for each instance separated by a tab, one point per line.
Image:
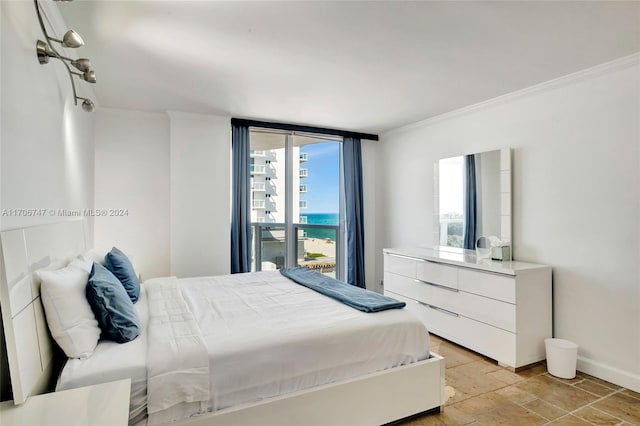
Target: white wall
576	174
200	194
172	173
132	173
47	147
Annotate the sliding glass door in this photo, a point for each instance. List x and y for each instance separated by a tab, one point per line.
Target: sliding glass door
295	197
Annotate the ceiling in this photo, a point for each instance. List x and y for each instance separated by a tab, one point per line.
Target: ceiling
361	66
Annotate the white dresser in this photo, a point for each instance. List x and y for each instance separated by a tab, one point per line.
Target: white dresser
500	309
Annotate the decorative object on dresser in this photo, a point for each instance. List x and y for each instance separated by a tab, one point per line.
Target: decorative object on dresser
500	309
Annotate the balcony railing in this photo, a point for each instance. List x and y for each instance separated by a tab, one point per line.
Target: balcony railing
258	169
304	173
258	186
322	253
303	188
303	204
255	153
451	232
302	219
258	204
304	157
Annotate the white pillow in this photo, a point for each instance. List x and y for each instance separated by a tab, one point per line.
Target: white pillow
97	255
83	262
70	318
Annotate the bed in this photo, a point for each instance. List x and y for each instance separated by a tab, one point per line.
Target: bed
276	352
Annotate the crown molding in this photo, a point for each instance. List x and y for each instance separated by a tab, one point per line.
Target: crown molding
620	63
184	115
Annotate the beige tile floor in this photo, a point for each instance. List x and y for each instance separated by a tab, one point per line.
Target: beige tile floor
479	392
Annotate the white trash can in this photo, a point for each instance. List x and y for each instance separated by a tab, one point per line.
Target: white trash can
562	356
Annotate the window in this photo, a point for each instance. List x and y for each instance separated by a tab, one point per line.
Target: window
451	170
284	237
258	169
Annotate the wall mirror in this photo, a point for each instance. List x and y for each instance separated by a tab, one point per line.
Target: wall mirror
472	198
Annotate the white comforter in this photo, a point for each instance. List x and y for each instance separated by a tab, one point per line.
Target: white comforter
266	335
177	361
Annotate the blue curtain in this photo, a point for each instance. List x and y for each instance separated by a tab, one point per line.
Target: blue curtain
241	199
354	212
470	203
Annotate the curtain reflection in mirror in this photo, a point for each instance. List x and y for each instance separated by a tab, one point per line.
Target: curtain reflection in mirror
470	203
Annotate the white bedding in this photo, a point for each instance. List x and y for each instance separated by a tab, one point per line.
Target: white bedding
177	357
266	336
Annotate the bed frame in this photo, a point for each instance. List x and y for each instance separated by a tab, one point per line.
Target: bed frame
373	399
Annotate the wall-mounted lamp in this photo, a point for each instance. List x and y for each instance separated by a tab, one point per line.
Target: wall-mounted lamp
71	39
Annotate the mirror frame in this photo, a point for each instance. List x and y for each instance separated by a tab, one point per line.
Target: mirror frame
506	196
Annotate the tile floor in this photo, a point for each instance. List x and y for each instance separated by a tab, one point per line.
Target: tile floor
479	392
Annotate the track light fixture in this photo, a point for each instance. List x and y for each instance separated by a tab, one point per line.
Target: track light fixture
71	39
45	52
88	76
87	104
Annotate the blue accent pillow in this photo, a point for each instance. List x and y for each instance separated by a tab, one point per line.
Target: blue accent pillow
119	264
111	305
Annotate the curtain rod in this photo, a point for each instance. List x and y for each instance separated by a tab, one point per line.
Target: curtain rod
299	128
297	133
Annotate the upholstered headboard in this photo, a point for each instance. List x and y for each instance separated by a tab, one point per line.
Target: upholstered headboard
29	345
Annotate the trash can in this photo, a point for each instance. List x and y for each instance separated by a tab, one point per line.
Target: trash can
562	356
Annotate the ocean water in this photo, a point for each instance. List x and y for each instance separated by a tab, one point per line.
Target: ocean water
322	219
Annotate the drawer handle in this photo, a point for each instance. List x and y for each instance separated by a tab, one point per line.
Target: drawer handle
413	258
435	308
405	257
444	287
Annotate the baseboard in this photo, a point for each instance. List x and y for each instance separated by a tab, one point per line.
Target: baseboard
610	374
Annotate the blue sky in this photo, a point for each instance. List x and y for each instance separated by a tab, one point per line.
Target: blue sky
323	182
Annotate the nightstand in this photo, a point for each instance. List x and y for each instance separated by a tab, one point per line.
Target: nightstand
105	404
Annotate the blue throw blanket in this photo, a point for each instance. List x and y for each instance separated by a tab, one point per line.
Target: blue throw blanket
356	297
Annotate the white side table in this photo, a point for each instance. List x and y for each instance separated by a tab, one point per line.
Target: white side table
105	404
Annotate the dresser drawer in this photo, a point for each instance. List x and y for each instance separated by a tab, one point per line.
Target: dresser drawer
400	265
437	274
483	338
500	287
493	312
404	286
489	311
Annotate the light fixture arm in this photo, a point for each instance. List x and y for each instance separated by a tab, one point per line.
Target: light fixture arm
89	76
52	52
44	53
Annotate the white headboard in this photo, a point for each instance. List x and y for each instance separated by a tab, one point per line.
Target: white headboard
29	344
